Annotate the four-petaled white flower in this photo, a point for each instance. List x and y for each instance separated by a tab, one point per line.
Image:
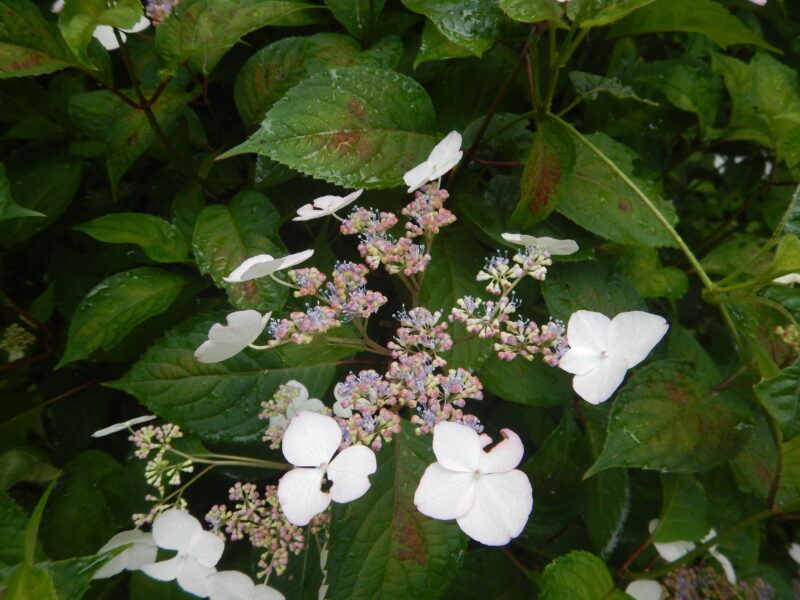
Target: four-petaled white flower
225	341
264	264
324	206
297	405
551	245
601	350
488	497
444	156
122	426
198	551
105	33
644	589
310	441
235	585
672	551
142	551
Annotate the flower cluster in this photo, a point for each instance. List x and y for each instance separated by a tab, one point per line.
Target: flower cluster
288	400
363	405
699	583
159	10
525	338
16	340
257	517
347	293
426	212
503	274
420	331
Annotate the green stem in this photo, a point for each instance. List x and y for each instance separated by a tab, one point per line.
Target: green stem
229	460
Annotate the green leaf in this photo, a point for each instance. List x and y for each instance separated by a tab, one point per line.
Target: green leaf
665	419
8	208
29	45
595	198
643	267
79	18
204	30
219	401
381	546
226	235
550	162
700	16
684	509
589	286
12	532
357	16
32	526
355	127
159	239
532	11
590	86
143	587
71	577
115	306
435	46
525	382
21	464
593	13
790	473
780	396
455	261
303	577
474	24
471	581
787	256
30	583
578	576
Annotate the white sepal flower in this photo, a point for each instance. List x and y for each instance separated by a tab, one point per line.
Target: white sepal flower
551	245
264	264
601	350
644	589
794	552
122	426
339	410
235	585
198	551
488	497
142	551
310	441
324	206
672	551
225	341
297	405
444	156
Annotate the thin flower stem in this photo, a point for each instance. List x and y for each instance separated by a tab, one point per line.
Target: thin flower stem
286	283
178	491
229	460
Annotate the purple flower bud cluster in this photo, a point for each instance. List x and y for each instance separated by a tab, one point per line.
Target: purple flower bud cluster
426	212
526	338
308	281
158	10
420	331
704	583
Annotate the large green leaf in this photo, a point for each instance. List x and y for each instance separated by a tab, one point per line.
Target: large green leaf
8	208
356	127
79	18
665	419
595	198
434	46
684	510
219	401
589	85
357	16
780	396
204	30
525	382
474	24
71	577
12	532
226	235
602	12
532	11
701	16
28	582
115	306
29	45
159	239
578	576
381	546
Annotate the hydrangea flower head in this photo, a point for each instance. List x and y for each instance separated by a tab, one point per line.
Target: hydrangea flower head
225	341
142	551
489	498
264	264
444	156
601	350
324	206
550	245
310	441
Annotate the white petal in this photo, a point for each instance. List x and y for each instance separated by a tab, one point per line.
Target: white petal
225	341
324	206
342	413
589	330
140	554
265	592
297	406
457	447
140	25
634	334
502	504
789	279
300	495
264	264
599	384
794	552
131	536
173	529
349	471
444	494
730	574
117	565
105	35
206	548
165	570
580	360
229	585
192	577
644	589
57	7
551	245
311	439
418	176
445	155
122	426
505	456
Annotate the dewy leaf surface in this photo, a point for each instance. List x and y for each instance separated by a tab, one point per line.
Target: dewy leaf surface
356	127
381	547
217	401
29	45
159	239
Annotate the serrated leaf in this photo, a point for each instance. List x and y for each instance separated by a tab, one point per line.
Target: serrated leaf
356	127
435	46
28	582
590	86
8	208
593	13
159	239
381	546
651	279
474	24
664	419
219	401
532	11
710	18
780	396
115	306
595	198
204	30
226	235
357	16
578	576
29	45
71	577
79	18
684	509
